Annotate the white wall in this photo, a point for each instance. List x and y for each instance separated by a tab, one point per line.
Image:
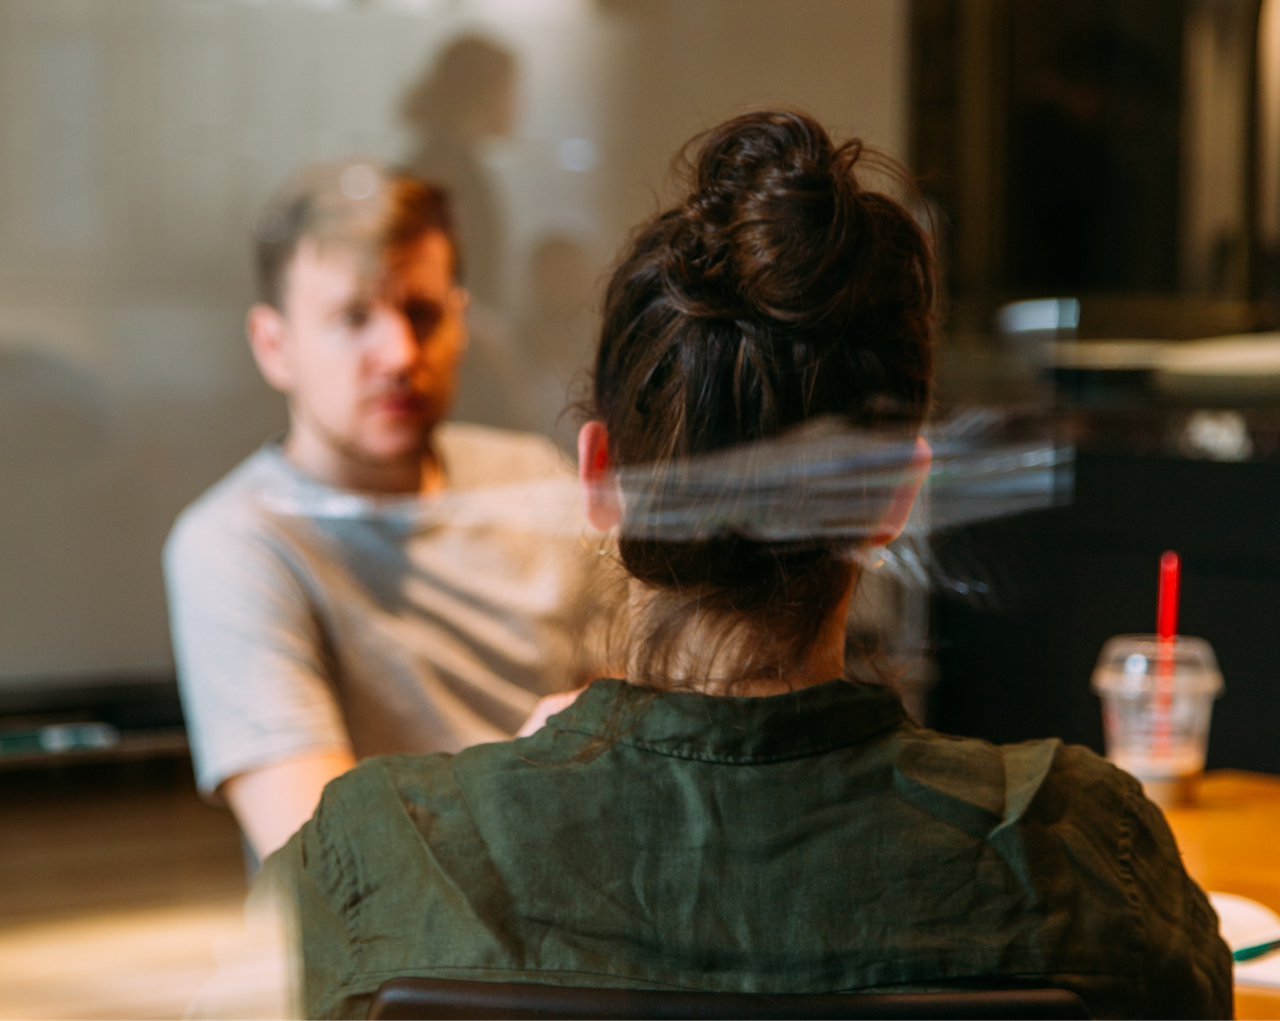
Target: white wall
691	63
137	138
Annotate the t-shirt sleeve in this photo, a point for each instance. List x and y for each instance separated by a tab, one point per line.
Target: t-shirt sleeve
252	664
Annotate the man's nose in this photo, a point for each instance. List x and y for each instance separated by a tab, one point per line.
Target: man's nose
397	348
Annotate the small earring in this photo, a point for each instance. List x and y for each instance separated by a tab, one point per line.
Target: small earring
603	549
873	558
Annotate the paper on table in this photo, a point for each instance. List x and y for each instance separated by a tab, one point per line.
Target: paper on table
1244	922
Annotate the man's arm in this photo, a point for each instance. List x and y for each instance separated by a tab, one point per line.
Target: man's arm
271	803
266	727
548	706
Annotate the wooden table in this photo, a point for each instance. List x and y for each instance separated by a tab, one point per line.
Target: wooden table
1230	841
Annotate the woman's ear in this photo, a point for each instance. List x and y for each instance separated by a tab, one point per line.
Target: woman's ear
895	519
599	483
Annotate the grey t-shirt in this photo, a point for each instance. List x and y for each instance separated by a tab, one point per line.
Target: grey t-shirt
309	619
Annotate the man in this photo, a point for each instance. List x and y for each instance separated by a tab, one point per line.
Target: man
333	598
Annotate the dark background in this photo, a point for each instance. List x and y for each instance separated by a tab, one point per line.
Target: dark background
1051	140
1016	664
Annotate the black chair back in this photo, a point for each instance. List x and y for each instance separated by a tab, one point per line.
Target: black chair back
425	999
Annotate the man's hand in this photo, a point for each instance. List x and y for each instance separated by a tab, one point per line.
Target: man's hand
548	705
273	802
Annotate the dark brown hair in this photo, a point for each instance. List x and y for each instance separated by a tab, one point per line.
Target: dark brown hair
779	291
359	205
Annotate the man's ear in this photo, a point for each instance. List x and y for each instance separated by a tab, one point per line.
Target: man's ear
268	339
599	483
895	519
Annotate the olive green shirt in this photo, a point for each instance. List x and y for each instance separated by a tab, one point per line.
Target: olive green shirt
808	842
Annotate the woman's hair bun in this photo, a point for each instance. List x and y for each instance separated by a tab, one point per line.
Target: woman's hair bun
770	220
777	293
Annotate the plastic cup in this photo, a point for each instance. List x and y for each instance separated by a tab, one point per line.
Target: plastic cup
1157	698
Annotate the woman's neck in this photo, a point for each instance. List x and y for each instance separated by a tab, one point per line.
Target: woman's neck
708	654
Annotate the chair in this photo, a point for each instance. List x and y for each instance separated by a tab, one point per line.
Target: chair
426	999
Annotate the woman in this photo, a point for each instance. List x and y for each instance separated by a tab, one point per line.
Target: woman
733	815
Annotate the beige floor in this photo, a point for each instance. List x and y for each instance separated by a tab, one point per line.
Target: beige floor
120	895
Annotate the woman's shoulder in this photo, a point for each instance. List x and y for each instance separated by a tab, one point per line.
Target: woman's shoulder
1043	781
388	791
381	782
373	823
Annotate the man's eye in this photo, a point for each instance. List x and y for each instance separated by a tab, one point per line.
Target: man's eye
424	316
356	317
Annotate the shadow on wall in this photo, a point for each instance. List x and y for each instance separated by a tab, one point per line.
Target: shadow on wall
94	467
466	98
54	438
558	332
53	415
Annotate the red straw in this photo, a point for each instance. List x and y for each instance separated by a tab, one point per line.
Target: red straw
1167	605
1166	631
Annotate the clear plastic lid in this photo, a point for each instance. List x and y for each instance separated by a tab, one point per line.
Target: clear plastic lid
1127	665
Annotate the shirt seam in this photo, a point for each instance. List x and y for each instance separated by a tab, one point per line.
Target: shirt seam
348	886
1124	856
942	981
741	760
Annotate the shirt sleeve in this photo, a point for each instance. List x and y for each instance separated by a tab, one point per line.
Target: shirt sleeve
315	879
253	669
1188	966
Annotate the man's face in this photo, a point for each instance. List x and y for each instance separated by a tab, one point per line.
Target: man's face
370	366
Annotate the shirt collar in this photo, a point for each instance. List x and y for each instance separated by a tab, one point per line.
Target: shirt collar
711	728
287	489
546	506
